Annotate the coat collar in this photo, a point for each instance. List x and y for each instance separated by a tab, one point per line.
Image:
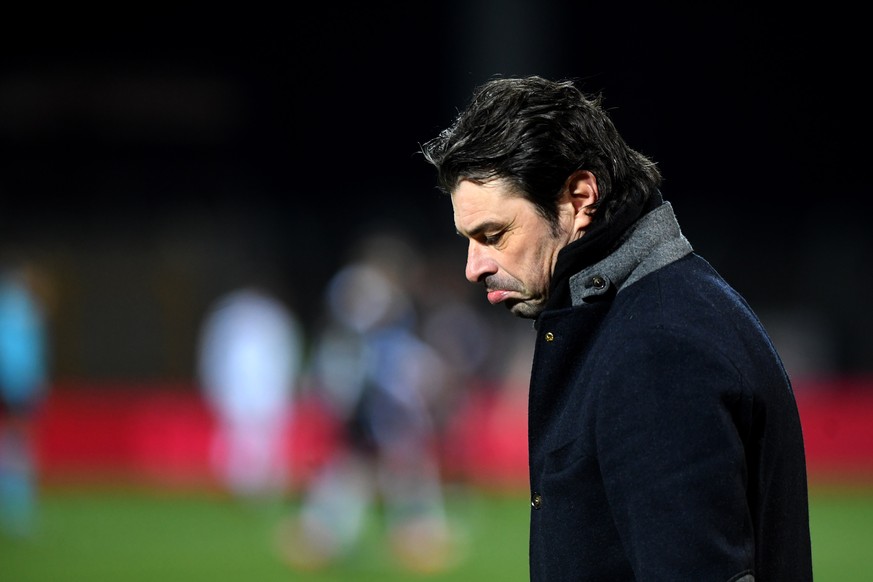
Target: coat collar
653	242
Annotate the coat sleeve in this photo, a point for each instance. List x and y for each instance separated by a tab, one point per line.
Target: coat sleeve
670	442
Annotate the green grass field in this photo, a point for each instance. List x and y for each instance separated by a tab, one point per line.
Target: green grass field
131	535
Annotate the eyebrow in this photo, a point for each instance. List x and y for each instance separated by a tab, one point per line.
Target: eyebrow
480	228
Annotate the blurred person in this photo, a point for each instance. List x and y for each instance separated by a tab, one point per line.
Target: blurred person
250	353
458	329
23	388
664	437
378	379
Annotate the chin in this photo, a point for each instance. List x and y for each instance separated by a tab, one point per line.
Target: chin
525	310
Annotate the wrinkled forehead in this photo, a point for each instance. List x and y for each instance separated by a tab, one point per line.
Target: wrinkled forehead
473	196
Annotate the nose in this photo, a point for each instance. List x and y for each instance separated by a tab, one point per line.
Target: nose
479	264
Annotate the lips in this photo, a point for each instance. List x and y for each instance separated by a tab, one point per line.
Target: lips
495	297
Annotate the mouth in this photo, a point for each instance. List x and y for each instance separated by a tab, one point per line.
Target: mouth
495	297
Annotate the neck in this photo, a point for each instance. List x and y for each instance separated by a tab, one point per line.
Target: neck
596	244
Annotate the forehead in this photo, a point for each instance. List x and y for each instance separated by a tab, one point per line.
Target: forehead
492	201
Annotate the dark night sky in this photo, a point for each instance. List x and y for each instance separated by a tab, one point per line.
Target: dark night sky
290	132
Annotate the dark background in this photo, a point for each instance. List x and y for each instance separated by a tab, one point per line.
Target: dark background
150	161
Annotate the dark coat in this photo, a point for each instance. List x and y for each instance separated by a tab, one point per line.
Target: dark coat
665	442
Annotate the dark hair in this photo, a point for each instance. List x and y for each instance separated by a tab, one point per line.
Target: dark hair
533	134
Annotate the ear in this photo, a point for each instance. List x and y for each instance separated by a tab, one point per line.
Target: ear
582	191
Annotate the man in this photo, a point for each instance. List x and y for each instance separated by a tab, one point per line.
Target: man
664	438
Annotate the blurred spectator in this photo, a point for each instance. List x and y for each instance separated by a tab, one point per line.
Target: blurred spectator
251	349
457	329
23	386
379	379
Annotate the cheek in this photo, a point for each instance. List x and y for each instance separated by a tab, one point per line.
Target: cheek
538	266
547	256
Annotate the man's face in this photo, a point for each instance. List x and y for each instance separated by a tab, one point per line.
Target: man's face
512	248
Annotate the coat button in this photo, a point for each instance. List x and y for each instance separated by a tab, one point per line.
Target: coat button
598	282
536	500
550	337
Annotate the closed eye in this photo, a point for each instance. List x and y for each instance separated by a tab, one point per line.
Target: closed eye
488	233
492	239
